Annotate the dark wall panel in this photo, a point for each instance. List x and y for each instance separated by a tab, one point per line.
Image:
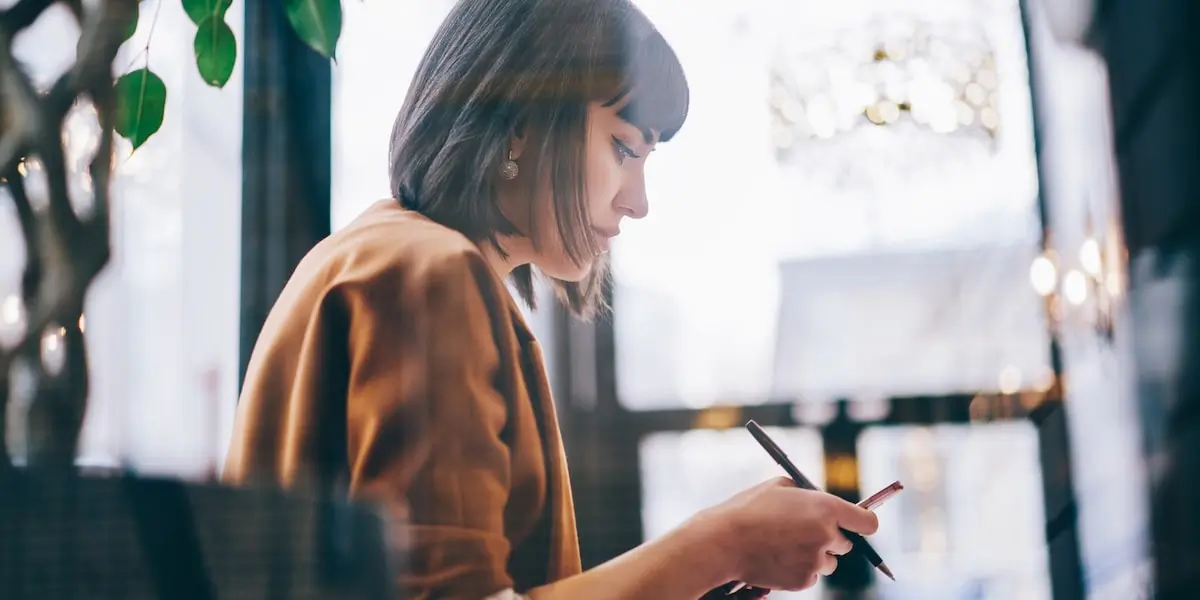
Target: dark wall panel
1153	51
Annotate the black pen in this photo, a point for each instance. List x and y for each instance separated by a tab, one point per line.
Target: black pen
857	541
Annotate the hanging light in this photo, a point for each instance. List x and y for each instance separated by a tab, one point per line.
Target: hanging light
1090	286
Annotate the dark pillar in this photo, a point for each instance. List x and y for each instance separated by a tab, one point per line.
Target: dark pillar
1058	497
286	161
1153	55
840	440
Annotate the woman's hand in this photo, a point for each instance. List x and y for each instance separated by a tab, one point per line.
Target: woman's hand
771	536
746	593
777	536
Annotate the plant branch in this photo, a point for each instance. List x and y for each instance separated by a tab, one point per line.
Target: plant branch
64	253
28	222
20	111
149	36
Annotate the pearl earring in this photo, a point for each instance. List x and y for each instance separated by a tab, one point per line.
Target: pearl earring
509	169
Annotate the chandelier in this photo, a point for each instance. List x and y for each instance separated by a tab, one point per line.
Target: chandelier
924	83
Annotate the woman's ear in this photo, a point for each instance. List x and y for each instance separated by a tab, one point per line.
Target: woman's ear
517	141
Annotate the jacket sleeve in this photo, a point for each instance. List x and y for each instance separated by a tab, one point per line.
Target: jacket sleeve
425	421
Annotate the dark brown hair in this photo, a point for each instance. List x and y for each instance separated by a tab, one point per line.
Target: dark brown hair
496	67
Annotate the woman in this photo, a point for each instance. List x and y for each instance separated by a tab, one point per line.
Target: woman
396	364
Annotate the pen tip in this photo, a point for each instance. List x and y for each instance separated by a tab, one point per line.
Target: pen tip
886	571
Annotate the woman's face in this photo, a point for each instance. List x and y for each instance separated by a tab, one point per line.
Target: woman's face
615	156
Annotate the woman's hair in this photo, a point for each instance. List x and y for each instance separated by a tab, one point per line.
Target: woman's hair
499	67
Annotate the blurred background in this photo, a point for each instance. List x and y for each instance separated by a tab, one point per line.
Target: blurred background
935	240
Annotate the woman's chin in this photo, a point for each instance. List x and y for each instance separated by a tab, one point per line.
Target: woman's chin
566	270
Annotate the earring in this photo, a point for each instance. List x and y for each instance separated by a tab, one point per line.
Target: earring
509	169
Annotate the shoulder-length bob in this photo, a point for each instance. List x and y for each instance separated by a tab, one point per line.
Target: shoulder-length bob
496	67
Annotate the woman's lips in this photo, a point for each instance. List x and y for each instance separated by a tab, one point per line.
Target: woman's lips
605	237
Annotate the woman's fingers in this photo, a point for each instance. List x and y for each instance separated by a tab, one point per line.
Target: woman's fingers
855	518
840	546
828	564
749	593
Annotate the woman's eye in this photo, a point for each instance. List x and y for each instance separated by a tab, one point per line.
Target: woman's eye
623	151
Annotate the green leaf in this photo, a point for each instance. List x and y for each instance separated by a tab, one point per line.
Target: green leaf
199	10
318	23
216	51
141	102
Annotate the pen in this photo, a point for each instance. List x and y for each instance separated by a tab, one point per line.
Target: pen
875	501
857	541
878	498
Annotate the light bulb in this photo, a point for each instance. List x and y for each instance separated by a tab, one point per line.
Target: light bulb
1089	257
1075	287
1043	275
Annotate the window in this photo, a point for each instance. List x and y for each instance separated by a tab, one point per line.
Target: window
378	52
162	318
795	249
969	523
850	212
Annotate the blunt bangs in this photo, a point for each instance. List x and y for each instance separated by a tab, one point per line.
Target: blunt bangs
653	88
